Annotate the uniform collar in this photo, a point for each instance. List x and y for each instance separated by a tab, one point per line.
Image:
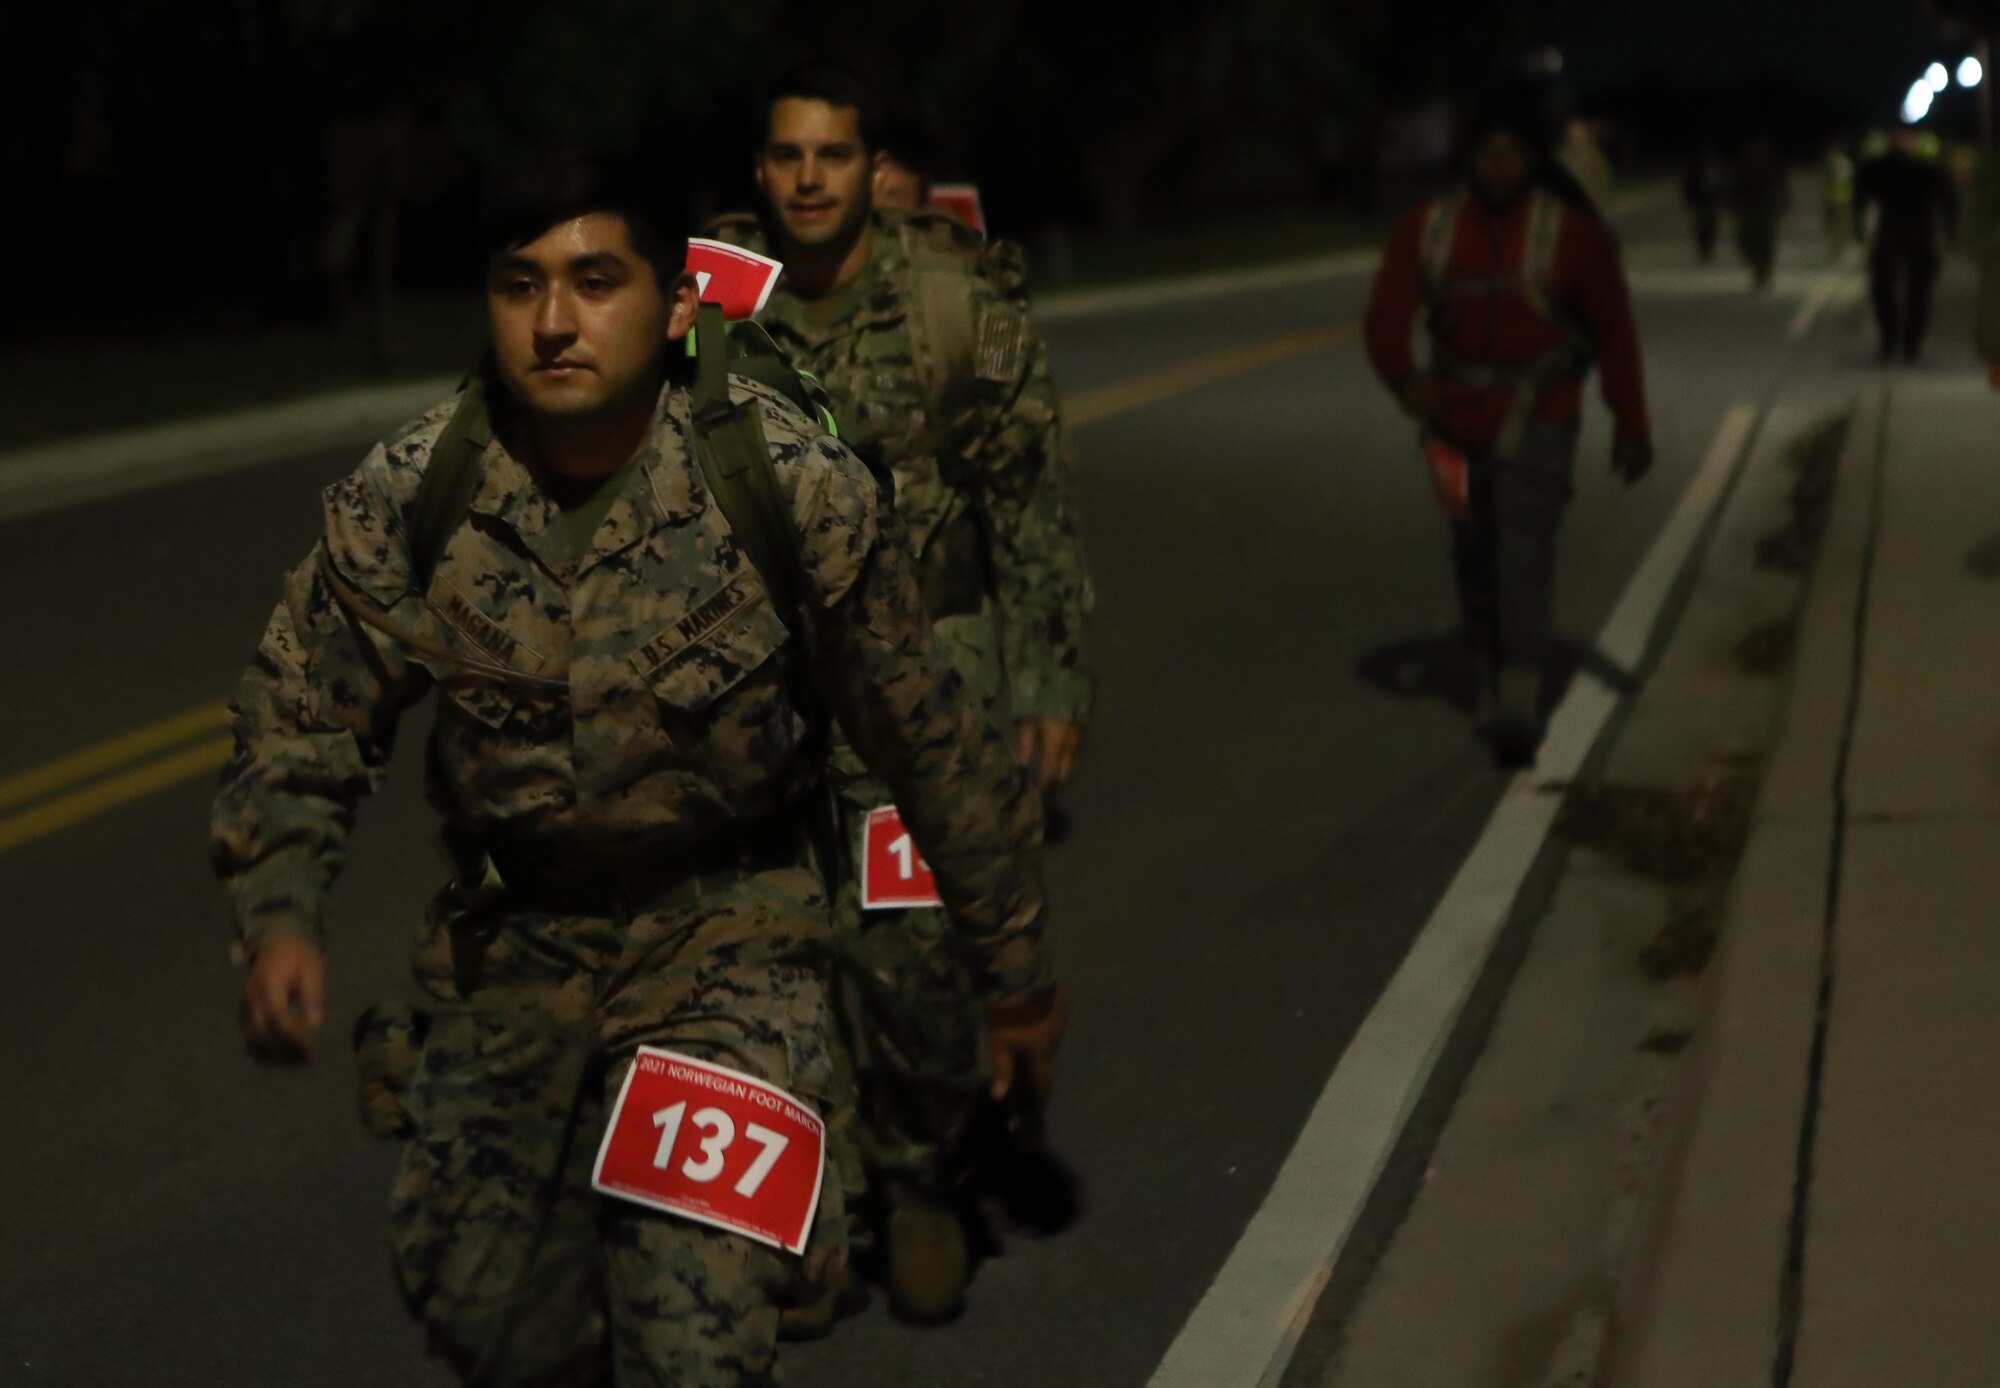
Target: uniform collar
877	296
664	493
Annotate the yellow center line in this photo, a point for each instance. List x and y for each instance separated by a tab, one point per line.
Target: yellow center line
1086	407
1090	406
80	805
92	761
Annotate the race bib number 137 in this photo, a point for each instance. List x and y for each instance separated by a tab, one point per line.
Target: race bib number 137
710	1144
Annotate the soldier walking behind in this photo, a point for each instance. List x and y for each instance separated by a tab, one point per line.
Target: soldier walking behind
1703	183
1522	292
1760	194
627	743
919	331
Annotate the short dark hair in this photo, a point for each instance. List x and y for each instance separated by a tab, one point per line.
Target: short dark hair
906	138
820	80
550	186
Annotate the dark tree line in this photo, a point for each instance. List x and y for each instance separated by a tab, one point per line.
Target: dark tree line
295	149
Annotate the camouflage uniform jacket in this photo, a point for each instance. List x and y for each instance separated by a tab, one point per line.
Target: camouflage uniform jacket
987	497
677	719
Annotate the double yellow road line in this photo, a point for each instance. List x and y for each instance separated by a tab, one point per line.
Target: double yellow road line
73	788
67	791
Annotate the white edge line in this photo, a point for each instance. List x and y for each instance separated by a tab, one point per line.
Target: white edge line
1243	1331
1829	287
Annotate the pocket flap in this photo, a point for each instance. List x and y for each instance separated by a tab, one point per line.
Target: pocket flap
707	653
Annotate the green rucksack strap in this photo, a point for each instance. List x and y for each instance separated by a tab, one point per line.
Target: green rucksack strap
450	480
735	461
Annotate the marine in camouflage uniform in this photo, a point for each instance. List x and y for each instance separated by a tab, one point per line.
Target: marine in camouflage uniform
619	757
935	372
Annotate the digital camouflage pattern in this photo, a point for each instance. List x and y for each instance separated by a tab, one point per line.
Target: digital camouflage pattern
670	716
499	1242
644	713
988	498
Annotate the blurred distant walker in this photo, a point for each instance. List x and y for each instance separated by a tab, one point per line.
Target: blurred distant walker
1915	208
1760	194
1522	292
641	578
919	331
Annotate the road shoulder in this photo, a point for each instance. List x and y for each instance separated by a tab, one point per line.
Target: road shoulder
1515	1261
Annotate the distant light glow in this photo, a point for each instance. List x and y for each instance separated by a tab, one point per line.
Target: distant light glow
1970	73
1917	104
1938	78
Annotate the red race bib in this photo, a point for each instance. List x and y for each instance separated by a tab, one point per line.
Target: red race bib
737	279
712	1145
960	200
892	873
1448	475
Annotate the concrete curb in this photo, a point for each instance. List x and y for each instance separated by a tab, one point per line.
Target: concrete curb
1700	1297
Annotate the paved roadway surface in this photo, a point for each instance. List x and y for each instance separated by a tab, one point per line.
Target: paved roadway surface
1261	828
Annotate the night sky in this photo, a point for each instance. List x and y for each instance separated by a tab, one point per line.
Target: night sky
1870	50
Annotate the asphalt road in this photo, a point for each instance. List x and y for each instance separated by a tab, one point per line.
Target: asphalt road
1268	812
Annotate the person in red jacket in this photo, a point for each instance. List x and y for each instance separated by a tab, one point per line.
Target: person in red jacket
1522	290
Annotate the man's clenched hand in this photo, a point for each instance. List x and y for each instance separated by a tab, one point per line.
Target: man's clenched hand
1027	1033
1632	459
1051	749
284	999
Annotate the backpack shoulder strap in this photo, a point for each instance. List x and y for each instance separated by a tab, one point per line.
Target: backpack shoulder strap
451	477
735	462
756	356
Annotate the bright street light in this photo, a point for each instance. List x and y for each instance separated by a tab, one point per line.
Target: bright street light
1937	77
1970	74
1917	104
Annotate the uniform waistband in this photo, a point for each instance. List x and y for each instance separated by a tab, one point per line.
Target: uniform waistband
585	882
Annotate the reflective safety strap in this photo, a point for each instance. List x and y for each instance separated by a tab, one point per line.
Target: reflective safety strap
1440	231
1538	258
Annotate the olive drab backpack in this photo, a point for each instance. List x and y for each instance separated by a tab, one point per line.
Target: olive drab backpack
1570	357
956	345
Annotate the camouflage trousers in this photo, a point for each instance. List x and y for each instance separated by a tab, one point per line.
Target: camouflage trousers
522	1274
909	1034
909	1046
